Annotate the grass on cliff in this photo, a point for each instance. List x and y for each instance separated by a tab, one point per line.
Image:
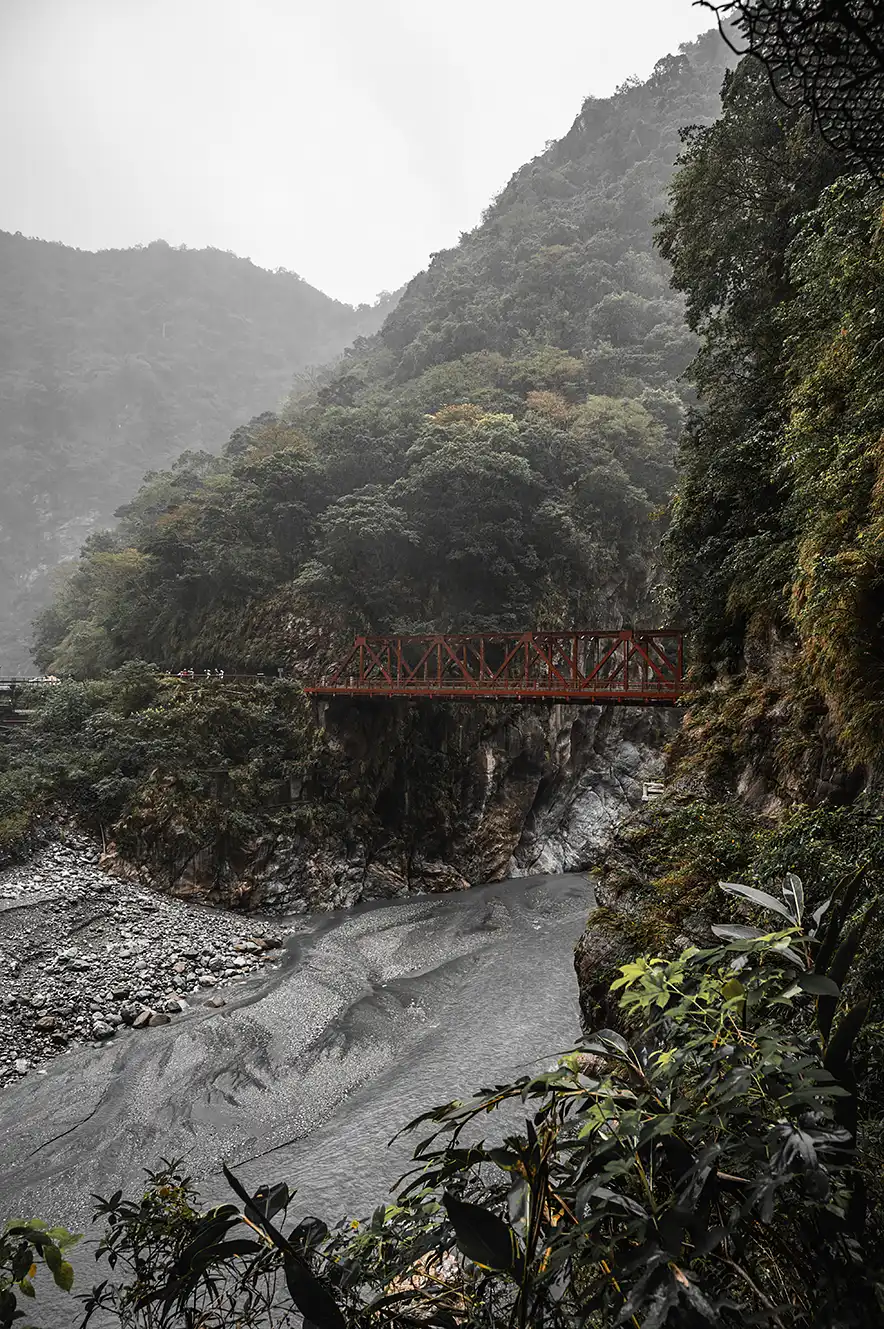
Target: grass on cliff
674	854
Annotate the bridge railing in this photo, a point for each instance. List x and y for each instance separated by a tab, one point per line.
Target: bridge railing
625	665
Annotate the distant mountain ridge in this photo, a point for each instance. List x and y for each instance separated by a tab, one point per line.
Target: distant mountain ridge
497	454
114	363
564	255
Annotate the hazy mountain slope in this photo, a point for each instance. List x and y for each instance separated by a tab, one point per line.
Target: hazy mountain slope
498	455
112	364
564	255
493	456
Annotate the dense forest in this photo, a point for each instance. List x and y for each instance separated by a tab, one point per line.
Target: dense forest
774	548
497	454
500	453
113	364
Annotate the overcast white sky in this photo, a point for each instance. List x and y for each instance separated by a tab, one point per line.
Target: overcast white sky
344	139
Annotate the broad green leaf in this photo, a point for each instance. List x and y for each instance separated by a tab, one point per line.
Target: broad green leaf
311	1297
53	1257
64	1275
482	1236
788	953
842	1040
819	984
818	913
793	889
757	897
518	1204
737	931
611	1036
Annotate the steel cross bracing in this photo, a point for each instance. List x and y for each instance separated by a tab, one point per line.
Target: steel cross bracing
625	667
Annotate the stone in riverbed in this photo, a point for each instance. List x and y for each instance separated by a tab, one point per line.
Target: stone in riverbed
101	1030
215	1002
142	1019
158	1018
46	1023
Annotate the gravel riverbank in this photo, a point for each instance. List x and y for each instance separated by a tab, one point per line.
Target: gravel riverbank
84	957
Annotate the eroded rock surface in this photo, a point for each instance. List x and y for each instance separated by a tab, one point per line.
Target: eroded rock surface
529	790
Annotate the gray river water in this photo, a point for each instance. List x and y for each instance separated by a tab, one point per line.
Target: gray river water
375	1014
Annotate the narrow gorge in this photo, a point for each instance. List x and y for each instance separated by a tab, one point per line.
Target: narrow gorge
253	926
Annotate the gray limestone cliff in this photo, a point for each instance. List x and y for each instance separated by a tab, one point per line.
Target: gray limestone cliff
468	796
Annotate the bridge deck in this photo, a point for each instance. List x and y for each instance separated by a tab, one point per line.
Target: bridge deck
623	667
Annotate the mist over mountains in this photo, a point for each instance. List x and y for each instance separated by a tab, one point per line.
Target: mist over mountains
493	455
114	363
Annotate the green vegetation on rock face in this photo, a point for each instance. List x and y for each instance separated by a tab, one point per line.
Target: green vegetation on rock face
186	781
665	865
738	204
776	543
114	363
563	257
201	784
494	456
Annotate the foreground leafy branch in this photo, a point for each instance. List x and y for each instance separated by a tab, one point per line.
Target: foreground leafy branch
23	1247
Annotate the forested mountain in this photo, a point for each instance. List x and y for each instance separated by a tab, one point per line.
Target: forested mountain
112	364
776	547
494	455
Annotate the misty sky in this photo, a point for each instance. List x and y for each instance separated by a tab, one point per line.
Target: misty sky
344	139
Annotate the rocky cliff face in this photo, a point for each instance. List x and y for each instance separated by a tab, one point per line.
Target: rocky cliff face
751	751
470	796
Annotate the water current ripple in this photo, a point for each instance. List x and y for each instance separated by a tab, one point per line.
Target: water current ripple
375	1014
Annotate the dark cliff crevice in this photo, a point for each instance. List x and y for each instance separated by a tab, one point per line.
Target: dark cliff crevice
443	797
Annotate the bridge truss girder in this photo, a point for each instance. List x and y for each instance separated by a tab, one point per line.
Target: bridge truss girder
625	667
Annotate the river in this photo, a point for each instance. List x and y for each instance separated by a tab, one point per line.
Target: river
375	1014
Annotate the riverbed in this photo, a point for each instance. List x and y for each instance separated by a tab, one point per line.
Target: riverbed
374	1014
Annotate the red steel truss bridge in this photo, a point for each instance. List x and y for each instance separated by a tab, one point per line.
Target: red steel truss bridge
625	667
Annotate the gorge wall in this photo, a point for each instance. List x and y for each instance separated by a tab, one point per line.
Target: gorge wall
513	793
775	545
